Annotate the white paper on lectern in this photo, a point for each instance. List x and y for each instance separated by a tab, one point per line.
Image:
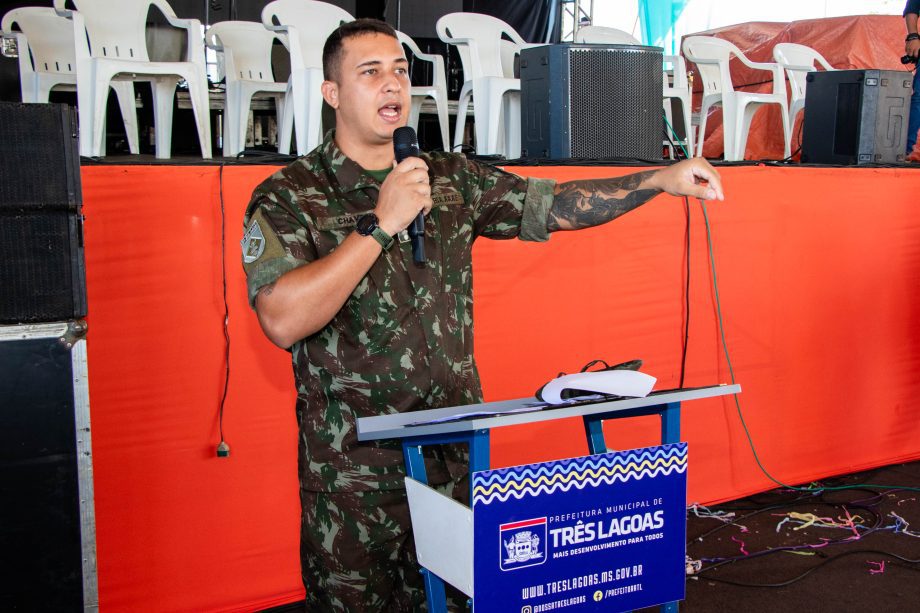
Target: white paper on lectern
443	531
627	383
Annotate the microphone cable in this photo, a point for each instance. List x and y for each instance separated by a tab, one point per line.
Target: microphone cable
724	343
731	371
669	132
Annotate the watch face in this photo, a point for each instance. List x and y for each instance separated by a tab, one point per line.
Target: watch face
366	224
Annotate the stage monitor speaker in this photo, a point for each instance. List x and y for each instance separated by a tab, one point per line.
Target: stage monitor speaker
856	116
41	224
591	102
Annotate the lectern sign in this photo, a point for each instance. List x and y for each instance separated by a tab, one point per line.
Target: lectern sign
598	533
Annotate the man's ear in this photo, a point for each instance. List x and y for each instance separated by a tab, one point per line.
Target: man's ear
330	91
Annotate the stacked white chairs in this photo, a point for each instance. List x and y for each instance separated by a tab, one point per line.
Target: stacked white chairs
798	61
711	56
496	96
674	81
247	59
45	41
110	39
437	91
304	26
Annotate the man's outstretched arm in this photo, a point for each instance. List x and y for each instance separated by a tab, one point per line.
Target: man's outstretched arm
592	202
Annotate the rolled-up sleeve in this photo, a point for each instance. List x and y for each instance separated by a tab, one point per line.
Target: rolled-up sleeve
537	203
506	205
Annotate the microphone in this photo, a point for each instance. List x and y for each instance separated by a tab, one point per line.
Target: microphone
405	144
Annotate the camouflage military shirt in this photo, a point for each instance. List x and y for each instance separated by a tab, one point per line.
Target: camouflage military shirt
403	340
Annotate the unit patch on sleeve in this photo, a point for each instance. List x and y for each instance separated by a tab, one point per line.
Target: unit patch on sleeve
253	243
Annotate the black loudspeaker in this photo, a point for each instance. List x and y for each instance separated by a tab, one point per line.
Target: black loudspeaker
42	272
856	116
591	101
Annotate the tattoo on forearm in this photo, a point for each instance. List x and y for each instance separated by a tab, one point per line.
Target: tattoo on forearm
582	204
267	290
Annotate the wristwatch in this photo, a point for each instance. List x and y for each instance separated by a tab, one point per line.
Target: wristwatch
912	36
368	225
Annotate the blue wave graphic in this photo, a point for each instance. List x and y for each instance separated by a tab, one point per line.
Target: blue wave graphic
578	473
500	496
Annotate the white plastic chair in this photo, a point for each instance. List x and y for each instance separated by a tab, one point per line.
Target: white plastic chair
304	26
677	86
711	56
247	53
601	35
437	91
47	62
496	96
114	48
798	61
511	51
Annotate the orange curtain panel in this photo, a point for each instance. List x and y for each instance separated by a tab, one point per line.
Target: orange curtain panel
817	273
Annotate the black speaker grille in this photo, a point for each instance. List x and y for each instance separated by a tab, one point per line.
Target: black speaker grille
41	267
616	102
42	275
39	144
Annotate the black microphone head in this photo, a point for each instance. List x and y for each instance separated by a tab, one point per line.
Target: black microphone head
405	143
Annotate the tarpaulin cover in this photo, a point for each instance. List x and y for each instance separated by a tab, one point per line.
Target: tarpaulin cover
863	41
817	273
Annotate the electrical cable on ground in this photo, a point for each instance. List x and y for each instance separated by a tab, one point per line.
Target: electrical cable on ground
812	569
863	518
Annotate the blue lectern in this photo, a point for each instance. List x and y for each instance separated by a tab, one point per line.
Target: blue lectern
472	425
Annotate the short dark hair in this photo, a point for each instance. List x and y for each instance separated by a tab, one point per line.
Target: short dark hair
332	50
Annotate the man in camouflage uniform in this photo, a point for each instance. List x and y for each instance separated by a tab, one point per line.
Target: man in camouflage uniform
371	333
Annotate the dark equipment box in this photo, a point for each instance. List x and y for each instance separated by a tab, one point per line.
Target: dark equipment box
856	117
47	518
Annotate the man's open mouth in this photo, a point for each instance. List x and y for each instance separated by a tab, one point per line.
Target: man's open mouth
391	112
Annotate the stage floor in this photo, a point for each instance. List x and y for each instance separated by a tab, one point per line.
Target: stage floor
812	568
843	576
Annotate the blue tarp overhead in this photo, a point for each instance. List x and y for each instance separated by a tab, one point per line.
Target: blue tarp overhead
658	18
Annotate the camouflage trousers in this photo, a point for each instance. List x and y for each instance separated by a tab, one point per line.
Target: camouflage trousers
357	551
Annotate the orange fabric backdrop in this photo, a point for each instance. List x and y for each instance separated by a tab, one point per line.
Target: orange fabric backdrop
858	41
817	271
